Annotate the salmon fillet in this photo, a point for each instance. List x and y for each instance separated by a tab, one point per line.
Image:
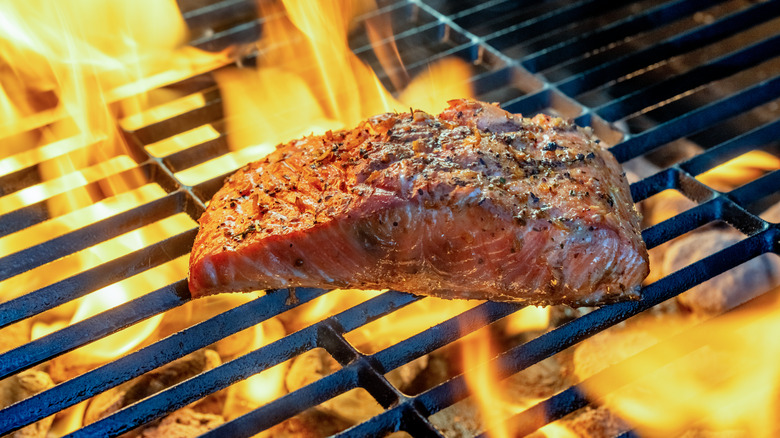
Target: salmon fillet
475	203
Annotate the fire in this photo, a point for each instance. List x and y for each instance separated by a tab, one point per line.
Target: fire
269	384
719	377
406	322
308	81
70	71
526	319
75	72
495	400
740	170
495	409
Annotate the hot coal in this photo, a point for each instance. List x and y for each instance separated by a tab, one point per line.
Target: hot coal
184	423
728	289
152	382
22	386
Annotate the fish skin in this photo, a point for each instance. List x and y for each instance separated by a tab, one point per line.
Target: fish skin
474	203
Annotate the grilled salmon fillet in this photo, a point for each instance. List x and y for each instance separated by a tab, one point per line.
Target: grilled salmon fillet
475	203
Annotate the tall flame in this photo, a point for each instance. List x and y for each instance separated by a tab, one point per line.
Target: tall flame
70	69
308	80
495	402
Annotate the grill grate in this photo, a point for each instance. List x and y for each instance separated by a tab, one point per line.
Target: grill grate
582	60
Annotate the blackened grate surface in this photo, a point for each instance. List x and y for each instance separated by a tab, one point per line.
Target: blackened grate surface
701	78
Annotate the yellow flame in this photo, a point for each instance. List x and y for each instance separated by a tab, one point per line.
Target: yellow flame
555	430
496	405
494	410
723	378
740	170
526	319
269	384
406	322
69	70
308	81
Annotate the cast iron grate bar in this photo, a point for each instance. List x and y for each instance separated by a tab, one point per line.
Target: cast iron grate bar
732	148
91	234
380	363
695	120
38	211
757	190
574	397
545	412
559	17
569	334
218	25
242	367
713	70
93	328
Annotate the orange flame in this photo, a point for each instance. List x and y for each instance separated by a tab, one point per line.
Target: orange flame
495	402
527	319
718	378
269	384
740	170
308	81
70	69
406	322
477	350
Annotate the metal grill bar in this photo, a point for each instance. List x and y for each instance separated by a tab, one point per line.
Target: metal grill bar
238	369
96	232
649	19
569	334
218	25
92	329
756	190
210	112
196	154
375	365
697	119
561	404
38	212
714	70
559	17
732	148
22	218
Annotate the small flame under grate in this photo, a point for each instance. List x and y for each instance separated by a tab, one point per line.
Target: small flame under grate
677	88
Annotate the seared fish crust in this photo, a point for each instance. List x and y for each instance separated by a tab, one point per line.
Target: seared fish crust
475	203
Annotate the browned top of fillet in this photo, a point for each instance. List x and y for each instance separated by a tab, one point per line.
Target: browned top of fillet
474	203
